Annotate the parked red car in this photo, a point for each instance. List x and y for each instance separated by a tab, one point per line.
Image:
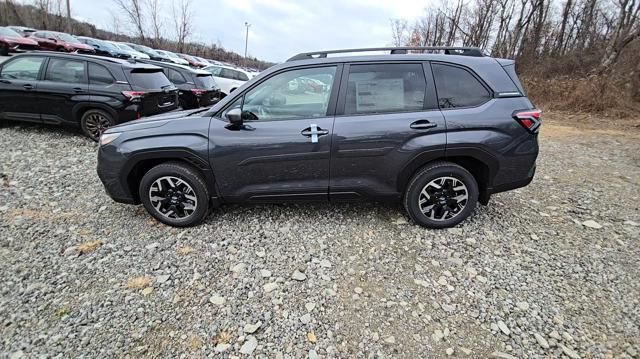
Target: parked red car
11	41
192	61
59	41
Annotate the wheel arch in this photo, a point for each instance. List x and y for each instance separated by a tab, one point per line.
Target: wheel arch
80	109
140	163
480	164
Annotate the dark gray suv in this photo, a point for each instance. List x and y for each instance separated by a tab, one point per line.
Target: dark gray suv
439	129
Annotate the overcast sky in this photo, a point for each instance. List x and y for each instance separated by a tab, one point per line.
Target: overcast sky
279	28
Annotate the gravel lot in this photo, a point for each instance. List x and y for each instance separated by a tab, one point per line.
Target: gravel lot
550	270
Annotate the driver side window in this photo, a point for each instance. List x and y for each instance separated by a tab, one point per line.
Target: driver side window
290	95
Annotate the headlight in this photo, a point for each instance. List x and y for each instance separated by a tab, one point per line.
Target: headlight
107	138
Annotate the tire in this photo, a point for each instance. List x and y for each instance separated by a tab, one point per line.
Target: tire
93	122
444	207
191	192
61	49
4	50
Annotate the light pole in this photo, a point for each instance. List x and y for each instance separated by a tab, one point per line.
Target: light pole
246	40
68	16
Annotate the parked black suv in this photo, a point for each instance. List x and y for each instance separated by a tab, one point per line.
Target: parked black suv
197	88
439	132
85	91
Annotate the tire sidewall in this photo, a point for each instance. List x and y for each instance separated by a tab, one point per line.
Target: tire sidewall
427	175
85	115
186	174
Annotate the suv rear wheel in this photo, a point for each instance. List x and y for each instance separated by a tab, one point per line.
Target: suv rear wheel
175	194
94	122
441	195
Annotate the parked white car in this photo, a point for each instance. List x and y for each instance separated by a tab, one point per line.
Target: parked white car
228	78
134	54
173	57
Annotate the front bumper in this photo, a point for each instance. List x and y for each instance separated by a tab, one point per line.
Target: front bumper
110	169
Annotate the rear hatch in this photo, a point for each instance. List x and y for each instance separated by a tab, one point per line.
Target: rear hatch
158	94
206	89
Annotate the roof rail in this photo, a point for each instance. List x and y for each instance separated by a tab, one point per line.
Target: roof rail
448	50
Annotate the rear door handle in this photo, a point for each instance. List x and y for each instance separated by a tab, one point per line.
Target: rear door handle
423	125
28	87
78	90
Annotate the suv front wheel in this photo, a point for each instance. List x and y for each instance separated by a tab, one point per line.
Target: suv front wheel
175	194
441	195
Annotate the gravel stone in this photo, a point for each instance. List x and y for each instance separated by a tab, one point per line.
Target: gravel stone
429	289
249	345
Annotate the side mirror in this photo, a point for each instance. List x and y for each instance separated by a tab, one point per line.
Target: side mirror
235	117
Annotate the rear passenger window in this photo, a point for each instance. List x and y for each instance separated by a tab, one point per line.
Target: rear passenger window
68	71
99	75
385	88
457	87
176	77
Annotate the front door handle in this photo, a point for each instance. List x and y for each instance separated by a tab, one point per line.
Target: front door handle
423	125
314	131
78	90
28	87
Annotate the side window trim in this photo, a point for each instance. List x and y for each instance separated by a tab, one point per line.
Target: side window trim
331	107
492	94
342	99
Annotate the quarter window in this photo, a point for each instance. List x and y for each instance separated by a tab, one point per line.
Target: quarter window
289	96
24	68
176	77
99	75
457	87
68	71
383	88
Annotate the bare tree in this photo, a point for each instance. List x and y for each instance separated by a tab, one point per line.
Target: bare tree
627	29
155	10
133	10
182	19
399	29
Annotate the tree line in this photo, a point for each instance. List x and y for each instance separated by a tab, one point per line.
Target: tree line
147	22
530	31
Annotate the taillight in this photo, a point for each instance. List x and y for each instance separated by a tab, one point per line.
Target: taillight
198	92
529	119
133	95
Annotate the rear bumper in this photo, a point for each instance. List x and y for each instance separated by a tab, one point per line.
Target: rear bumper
514	184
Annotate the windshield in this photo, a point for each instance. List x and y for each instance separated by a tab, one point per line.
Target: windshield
149	50
8	32
106	45
66	38
215	70
171	55
123	46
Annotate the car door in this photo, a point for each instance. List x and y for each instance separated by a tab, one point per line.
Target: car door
387	118
18	85
281	151
62	88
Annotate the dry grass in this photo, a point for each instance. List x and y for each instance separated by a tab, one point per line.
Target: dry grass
195	343
224	337
139	282
185	250
88	246
595	94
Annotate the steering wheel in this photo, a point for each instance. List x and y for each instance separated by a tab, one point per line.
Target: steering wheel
263	111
